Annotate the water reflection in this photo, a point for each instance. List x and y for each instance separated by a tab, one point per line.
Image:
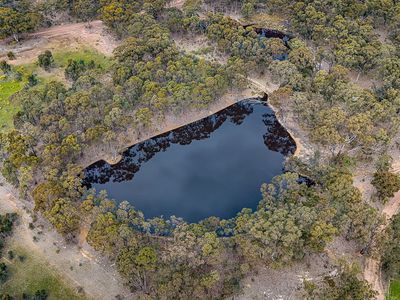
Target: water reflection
214	166
277	138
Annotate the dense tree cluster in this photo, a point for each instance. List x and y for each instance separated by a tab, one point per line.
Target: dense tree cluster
17	17
239	43
243	42
338	114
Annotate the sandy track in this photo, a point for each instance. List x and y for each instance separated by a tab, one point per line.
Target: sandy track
372	267
82	267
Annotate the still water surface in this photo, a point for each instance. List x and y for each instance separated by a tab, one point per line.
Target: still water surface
212	167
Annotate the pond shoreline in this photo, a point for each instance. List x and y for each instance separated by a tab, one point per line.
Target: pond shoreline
113	153
301	149
220	160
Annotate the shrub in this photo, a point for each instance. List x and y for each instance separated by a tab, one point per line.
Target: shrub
3	272
32	80
76	68
11	55
46	60
40	295
386	184
5	67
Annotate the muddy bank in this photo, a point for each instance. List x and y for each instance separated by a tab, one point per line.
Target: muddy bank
303	146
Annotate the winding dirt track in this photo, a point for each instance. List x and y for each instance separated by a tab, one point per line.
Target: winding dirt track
372	267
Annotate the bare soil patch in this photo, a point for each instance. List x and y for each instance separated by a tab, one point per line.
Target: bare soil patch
288	282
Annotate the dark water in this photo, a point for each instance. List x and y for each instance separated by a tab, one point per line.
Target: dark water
213	167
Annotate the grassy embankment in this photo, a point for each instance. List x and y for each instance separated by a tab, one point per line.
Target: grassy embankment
10	86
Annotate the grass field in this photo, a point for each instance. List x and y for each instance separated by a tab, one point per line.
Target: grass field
33	274
61	58
7	108
394	290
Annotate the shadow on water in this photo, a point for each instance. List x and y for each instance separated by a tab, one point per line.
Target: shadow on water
212	167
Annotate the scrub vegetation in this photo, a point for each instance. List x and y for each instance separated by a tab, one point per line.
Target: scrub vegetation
148	79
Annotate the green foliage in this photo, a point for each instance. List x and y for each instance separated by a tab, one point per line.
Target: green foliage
6	223
8	107
6	226
5	67
4	273
32	80
76	69
86	10
23	154
248	8
63	57
333	110
64	216
348	35
120	15
46	60
391	248
386	184
13	22
191	7
239	42
291	220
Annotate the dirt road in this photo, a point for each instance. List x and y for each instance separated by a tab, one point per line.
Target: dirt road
80	266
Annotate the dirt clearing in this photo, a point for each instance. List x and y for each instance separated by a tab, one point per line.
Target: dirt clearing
69	36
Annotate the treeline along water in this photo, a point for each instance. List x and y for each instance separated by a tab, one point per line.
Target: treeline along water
212	167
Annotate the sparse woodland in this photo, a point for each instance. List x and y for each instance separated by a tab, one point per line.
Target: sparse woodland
150	78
